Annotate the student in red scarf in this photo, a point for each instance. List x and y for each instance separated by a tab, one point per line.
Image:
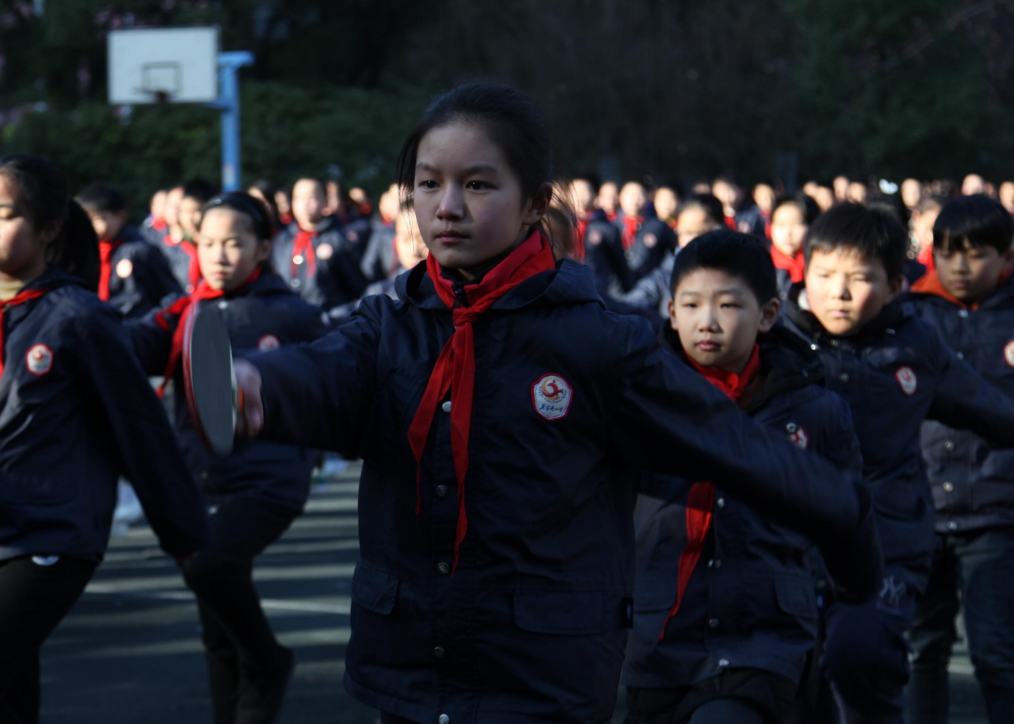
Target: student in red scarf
254	494
725	607
502	413
791	217
134	275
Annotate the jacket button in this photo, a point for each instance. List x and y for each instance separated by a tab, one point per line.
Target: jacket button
712	623
814	347
223	304
844	377
715	563
439	652
446	407
963	313
720	502
960	355
297	259
295	283
791	428
949	487
443	719
440	491
722	663
951	525
444	568
949	445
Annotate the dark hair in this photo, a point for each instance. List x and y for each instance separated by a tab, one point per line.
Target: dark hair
804	202
249	206
708	202
100	196
199	189
738	255
888	203
874	233
933	201
979	219
269	190
43	198
508	116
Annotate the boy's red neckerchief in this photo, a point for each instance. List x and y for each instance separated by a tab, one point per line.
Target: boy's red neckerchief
106	249
454	370
701	500
794	265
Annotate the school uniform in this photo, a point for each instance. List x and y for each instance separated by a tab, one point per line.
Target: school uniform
725	604
76	412
652	293
973	492
182	259
602	246
153	230
323	266
135	275
789	270
497	587
380	262
253	495
646	242
895	373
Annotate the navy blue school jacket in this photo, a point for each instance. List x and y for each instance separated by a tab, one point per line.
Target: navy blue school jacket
178	259
973	483
339	250
379	259
603	252
750	601
140	275
533	625
652	293
76	412
263	315
654	241
894	374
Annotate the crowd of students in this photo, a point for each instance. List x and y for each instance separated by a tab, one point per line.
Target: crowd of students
746	456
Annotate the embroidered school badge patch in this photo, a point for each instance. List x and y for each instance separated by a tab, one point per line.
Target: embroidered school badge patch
552	396
797	436
268	342
907	379
1008	353
325	252
594	237
124	268
39	360
649	241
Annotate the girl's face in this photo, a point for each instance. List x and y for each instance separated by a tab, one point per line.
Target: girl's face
468	200
227	250
22	246
788	229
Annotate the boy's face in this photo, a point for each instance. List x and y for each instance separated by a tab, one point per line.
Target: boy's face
846	290
718	318
972	273
911	192
172	207
190	216
308	203
1007	195
632	199
107	224
764	197
608	196
582	195
665	202
788	229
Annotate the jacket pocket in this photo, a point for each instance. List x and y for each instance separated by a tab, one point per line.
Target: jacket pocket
374	589
796	597
568	613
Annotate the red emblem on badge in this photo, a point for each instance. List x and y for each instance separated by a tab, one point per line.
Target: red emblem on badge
39	360
907	379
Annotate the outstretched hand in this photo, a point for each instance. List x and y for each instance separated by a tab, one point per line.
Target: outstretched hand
250	416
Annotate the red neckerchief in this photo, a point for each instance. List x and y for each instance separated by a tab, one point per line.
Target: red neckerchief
106	249
455	367
701	501
730	222
927	259
159	224
302	246
630	226
183	307
794	265
610	216
25	295
766	215
285	219
931	284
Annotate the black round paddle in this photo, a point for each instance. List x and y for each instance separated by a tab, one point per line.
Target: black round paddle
213	398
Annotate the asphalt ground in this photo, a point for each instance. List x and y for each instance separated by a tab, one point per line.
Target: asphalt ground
130	650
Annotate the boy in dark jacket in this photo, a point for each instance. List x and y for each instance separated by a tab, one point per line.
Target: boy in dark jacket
315	255
969	300
700	647
646	239
134	275
894	371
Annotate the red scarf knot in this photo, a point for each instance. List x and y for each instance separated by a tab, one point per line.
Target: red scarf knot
25	295
454	370
302	246
106	250
701	500
794	265
184	307
631	225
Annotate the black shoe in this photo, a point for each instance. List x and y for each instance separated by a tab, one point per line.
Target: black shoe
224	681
263	690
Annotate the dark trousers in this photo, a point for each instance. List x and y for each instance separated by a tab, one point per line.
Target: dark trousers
238	642
866	655
974	571
34	598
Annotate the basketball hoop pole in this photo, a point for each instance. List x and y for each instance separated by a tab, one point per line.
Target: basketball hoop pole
228	102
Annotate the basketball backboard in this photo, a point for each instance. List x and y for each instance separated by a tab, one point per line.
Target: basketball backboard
175	65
